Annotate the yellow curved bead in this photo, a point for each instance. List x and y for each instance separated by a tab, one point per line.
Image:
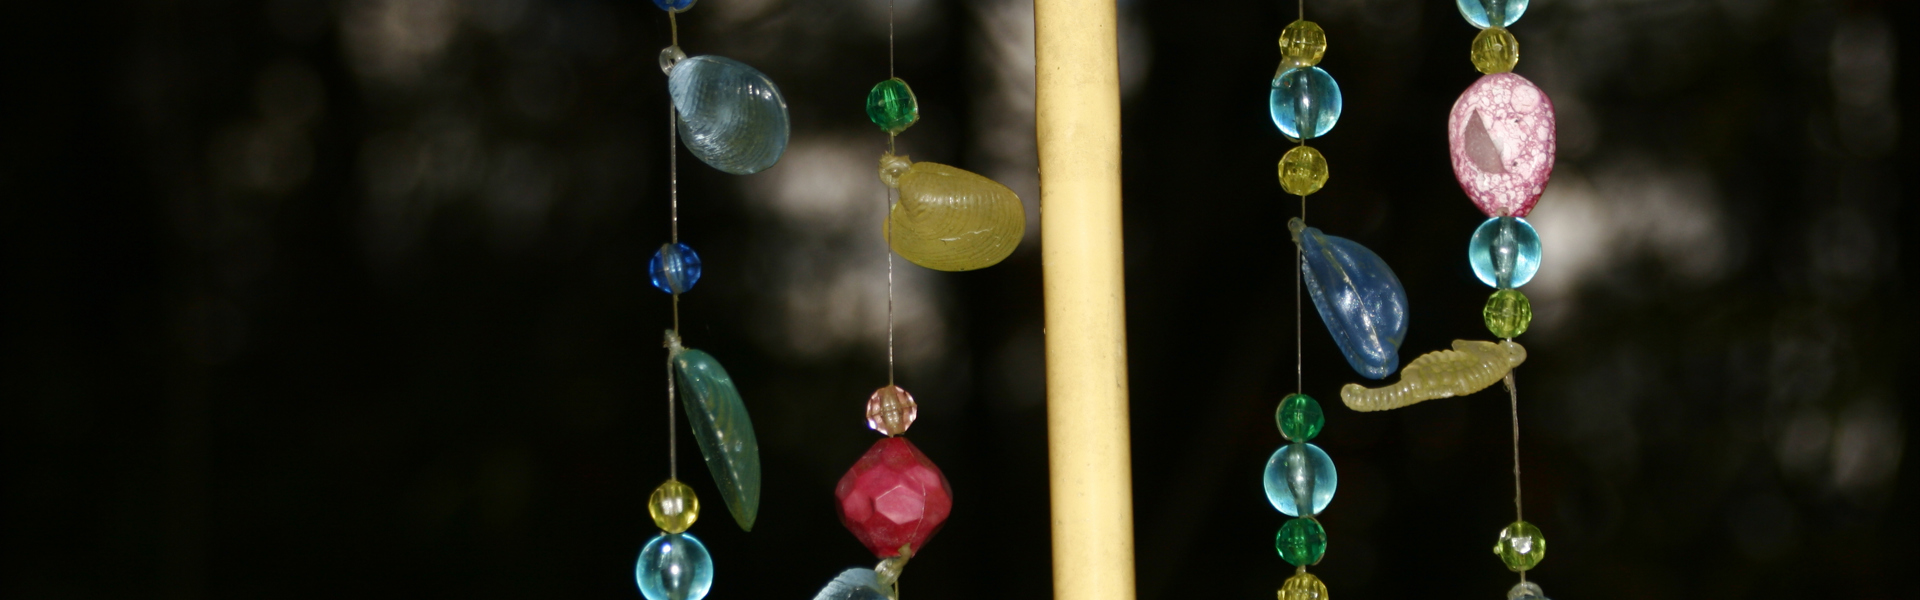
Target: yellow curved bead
950	219
674	506
1303	170
1303	586
1495	51
1469	367
1302	44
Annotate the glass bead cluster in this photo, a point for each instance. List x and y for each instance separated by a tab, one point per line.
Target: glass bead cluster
1300	481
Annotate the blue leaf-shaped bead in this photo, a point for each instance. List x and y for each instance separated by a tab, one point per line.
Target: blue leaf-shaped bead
731	116
1358	297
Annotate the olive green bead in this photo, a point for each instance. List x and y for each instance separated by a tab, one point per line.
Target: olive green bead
1521	546
1299	417
1495	51
1302	44
891	106
1303	170
1508	313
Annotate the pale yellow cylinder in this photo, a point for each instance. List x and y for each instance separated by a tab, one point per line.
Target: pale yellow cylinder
1077	74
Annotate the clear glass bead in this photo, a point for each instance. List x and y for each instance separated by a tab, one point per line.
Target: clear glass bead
1526	590
1300	480
674	268
1488	13
1302	44
732	117
1495	50
1521	546
1303	171
670	56
674	566
891	410
1299	417
674	506
1305	102
1504	252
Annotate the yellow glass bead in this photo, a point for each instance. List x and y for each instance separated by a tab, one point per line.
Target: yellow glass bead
1495	51
674	506
1302	44
1303	586
1521	546
1303	170
1508	313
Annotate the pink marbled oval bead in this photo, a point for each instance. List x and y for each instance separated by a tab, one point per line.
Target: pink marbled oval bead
1502	141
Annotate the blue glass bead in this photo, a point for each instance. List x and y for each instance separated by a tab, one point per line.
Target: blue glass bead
675	268
674	5
1300	475
1478	12
1305	102
674	566
732	117
1504	252
855	584
1358	297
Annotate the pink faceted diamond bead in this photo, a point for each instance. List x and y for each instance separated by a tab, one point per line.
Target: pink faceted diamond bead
1502	141
894	497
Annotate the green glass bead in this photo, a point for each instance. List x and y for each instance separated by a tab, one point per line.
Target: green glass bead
1521	546
1302	44
1495	51
1301	541
1299	417
891	105
1303	170
1508	313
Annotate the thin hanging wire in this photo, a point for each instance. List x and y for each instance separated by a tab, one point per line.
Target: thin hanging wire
890	200
1299	354
1513	397
673	196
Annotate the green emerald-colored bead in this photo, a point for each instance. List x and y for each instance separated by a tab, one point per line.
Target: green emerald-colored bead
1299	417
1301	541
891	106
1508	313
1521	546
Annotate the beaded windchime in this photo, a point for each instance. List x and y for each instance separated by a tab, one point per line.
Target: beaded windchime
1500	136
733	118
895	498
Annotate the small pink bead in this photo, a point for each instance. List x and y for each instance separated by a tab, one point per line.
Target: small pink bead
894	496
1502	141
891	410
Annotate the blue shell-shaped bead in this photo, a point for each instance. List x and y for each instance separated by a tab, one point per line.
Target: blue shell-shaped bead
674	5
674	268
855	584
674	566
1504	252
1300	476
1305	102
1358	297
731	116
1483	13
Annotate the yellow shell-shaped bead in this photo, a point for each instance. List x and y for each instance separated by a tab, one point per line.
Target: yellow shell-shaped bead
1495	51
1303	170
950	219
674	506
1303	586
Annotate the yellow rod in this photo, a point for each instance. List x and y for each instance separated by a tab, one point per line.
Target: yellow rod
1077	101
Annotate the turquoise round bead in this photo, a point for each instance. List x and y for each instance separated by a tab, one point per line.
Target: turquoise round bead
1504	252
674	566
1300	476
1484	13
1305	102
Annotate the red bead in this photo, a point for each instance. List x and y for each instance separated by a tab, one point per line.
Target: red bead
893	497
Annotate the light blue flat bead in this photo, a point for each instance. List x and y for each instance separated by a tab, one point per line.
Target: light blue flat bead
854	584
1305	102
1300	475
674	566
674	5
1358	297
1504	252
731	116
725	432
674	268
1478	11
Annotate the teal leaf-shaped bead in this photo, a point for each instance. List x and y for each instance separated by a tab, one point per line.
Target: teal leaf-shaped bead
725	432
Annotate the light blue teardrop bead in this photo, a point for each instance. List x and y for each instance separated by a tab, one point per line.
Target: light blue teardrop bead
674	566
731	116
674	268
1358	297
1300	475
725	432
854	584
1305	102
1504	252
674	5
1478	12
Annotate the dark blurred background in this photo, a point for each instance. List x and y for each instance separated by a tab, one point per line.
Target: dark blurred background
347	298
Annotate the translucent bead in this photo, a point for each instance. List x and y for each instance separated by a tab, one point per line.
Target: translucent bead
674	5
670	56
674	566
732	117
950	219
1526	590
855	584
1504	252
1301	541
1358	297
674	268
890	410
1487	13
1520	546
1500	136
891	105
894	497
674	506
1299	417
723	428
1300	476
1305	102
1303	586
1508	313
1302	44
1303	170
1469	367
1495	50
